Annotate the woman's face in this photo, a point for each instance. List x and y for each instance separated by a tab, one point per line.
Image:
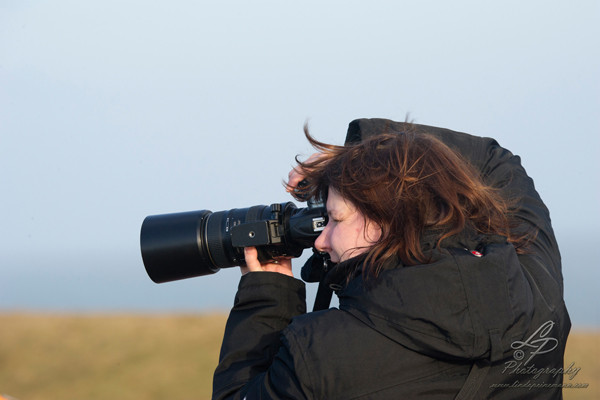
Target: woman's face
348	233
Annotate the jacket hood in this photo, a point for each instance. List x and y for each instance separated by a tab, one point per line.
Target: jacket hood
470	302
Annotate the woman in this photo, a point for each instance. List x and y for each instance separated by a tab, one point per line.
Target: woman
447	272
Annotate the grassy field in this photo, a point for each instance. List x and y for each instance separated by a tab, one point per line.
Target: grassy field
142	357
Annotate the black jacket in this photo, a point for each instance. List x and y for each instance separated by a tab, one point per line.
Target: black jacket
477	322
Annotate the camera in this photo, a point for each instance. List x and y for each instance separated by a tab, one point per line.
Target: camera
196	243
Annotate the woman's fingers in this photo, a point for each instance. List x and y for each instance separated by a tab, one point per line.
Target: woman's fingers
294	178
251	256
282	266
296	175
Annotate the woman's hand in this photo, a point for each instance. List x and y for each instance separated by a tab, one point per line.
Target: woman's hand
283	266
296	175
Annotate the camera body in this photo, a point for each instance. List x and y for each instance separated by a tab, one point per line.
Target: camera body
196	243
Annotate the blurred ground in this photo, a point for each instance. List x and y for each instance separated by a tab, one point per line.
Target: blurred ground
145	357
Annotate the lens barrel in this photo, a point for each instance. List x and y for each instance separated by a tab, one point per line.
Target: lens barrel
172	246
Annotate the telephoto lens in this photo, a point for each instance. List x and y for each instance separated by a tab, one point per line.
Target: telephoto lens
196	243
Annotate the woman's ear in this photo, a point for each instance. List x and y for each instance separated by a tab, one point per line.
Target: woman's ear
373	231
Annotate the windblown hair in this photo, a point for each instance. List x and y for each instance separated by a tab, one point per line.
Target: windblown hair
407	184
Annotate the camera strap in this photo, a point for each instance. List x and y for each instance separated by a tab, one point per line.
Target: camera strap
324	295
315	270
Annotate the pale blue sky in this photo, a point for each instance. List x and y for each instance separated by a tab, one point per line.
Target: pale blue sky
114	110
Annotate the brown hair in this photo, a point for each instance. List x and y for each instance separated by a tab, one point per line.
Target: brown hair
407	184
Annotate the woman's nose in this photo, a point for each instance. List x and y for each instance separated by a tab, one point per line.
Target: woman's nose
321	243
